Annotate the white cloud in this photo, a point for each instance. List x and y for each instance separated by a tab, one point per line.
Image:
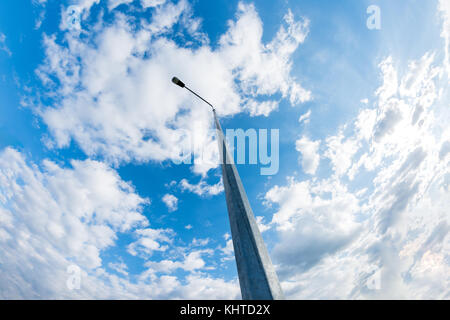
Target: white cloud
341	152
3	46
112	4
39	20
152	3
261	225
53	217
314	219
191	262
390	81
169	14
85	4
227	250
401	213
119	267
75	13
264	108
366	122
305	117
199	242
393	228
310	156
150	240
40	4
209	288
113	94
264	69
171	202
202	188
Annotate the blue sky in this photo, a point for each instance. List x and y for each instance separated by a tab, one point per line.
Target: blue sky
90	126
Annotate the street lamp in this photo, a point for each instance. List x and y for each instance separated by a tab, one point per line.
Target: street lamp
257	277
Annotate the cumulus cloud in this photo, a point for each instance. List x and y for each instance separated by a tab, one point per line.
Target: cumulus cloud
202	188
264	69
111	91
377	227
310	156
119	267
227	251
198	287
313	220
56	216
150	240
191	262
86	5
341	151
262	226
54	220
171	202
199	242
264	108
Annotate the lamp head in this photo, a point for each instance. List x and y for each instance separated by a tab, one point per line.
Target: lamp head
178	82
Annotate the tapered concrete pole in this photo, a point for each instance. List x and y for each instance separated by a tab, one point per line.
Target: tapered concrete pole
257	276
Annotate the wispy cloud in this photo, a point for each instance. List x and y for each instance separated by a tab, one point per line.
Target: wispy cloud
171	202
3	46
309	154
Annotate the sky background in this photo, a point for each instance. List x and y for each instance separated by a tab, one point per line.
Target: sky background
90	127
